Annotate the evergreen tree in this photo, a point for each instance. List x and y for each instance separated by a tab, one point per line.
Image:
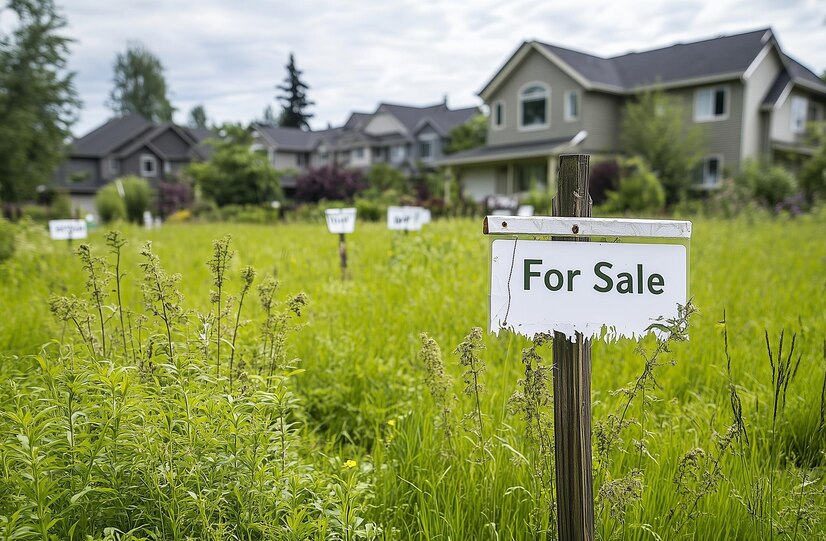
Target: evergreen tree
140	86
38	102
269	116
294	101
198	117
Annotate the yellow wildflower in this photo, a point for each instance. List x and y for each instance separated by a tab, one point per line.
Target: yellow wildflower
391	423
350	464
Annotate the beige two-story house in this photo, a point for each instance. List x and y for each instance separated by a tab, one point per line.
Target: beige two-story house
751	99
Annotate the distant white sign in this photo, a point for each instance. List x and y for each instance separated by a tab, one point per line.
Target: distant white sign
425	216
404	218
525	210
544	286
341	220
67	229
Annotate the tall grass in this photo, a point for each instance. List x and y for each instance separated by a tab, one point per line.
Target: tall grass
334	431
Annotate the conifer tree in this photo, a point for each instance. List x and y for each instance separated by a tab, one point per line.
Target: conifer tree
294	102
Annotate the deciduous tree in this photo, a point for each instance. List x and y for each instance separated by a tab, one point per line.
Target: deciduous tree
139	85
38	101
235	175
471	134
654	128
198	117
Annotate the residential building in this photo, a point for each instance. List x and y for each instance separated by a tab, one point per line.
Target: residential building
751	99
406	137
128	145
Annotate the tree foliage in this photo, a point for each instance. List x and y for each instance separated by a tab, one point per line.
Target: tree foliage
38	101
639	189
294	102
198	117
654	128
139	85
235	175
331	182
471	134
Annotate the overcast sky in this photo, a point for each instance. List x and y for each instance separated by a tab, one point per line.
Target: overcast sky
229	54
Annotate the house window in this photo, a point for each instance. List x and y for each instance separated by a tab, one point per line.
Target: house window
571	106
798	119
149	166
426	149
357	154
533	106
712	171
397	153
167	168
114	166
498	115
301	159
711	104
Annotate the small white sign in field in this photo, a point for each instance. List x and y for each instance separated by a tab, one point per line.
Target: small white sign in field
569	287
405	218
67	229
341	220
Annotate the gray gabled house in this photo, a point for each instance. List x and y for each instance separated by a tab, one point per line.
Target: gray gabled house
407	137
751	98
128	145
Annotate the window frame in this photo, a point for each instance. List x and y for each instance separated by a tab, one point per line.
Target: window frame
521	126
713	117
706	160
567	103
498	113
804	109
145	159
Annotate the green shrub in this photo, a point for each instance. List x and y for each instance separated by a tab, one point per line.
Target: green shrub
639	189
541	201
813	177
767	184
136	196
8	242
61	207
35	213
110	204
370	211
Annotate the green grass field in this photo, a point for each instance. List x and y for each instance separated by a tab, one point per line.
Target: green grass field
332	425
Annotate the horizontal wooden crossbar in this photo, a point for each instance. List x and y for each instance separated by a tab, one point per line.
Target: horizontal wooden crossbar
586	227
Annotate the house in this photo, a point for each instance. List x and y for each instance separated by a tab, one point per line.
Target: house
128	145
751	99
407	137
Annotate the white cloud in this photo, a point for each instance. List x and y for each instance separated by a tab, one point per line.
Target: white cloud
229	56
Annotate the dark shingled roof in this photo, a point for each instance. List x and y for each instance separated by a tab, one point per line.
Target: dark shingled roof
494	152
681	62
111	135
440	116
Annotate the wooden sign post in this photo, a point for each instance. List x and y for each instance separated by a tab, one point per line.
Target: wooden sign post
581	291
572	383
341	221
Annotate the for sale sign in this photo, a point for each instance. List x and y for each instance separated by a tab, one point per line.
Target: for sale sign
341	220
587	287
67	229
405	218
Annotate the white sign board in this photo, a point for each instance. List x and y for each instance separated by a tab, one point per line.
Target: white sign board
67	229
341	220
404	218
570	287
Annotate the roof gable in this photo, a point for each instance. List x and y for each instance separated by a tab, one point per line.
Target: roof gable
113	134
680	64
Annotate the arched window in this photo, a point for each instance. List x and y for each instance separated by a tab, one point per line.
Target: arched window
534	100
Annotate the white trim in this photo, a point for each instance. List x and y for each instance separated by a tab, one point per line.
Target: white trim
792	124
566	103
520	125
145	159
586	227
756	62
493	124
726	103
707	185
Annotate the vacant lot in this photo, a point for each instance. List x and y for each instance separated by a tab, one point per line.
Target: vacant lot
198	407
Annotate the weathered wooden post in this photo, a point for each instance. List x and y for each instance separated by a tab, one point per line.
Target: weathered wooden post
582	291
341	221
572	382
342	252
